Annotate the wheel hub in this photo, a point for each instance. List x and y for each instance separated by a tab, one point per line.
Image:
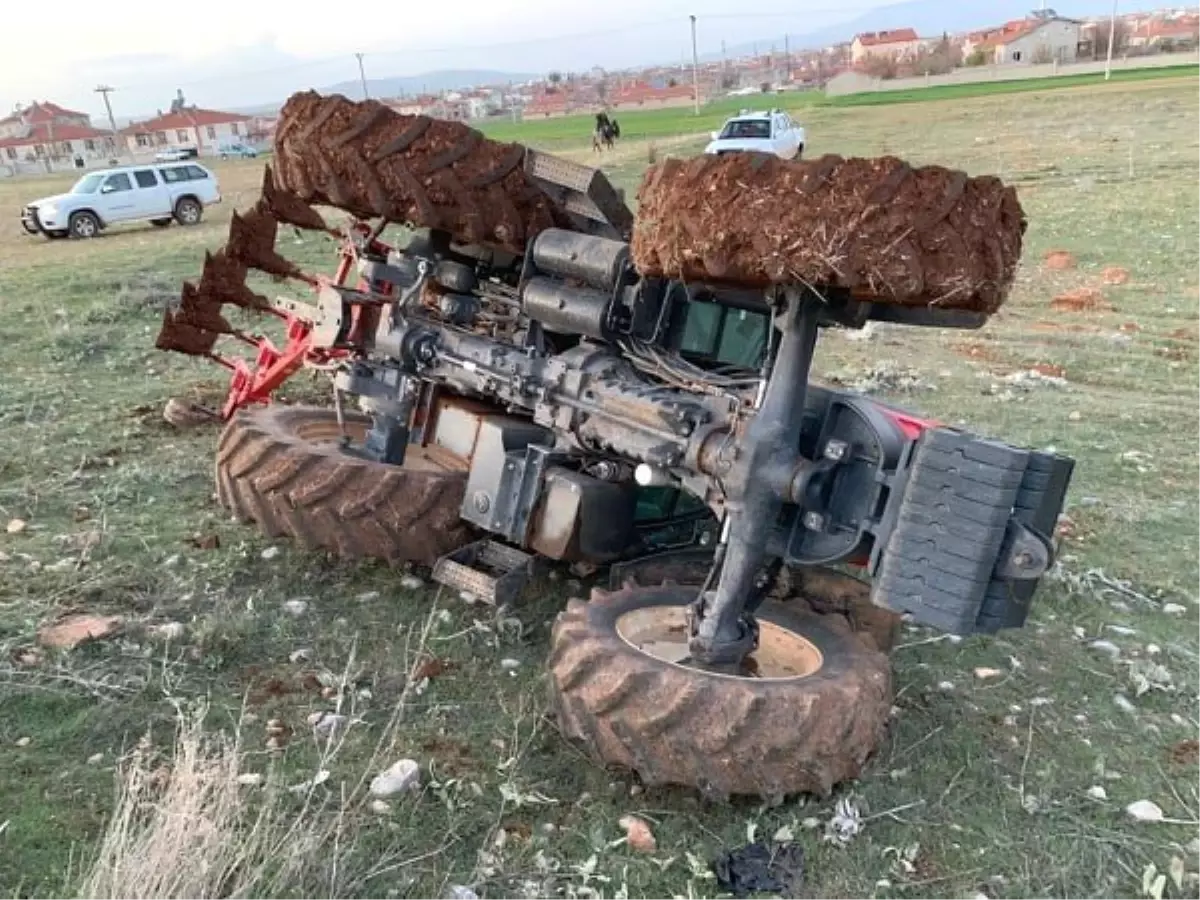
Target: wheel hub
662	632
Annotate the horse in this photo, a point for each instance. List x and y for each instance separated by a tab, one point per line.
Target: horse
605	133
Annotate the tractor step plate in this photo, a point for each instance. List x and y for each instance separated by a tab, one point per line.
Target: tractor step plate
493	572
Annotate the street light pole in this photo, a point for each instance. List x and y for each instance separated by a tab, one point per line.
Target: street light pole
104	90
362	76
695	70
1112	33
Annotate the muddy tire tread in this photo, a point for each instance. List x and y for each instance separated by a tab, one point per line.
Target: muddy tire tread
321	499
722	736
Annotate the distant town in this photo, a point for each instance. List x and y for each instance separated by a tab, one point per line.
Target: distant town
44	136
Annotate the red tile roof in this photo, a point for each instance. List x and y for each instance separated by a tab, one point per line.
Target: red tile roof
37	113
895	36
1184	27
53	134
639	92
187	118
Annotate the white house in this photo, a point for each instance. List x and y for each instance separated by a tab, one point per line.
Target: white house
45	134
1025	41
895	44
204	129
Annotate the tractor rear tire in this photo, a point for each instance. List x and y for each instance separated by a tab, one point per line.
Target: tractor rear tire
802	727
281	467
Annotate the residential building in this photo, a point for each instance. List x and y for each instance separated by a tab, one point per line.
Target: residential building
204	129
1183	31
45	133
1038	39
895	44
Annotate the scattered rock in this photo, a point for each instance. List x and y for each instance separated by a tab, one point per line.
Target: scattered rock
299	656
1186	753
885	375
1081	299
1123	630
430	667
1035	377
167	631
95	759
461	892
945	686
1097	792
28	657
23	741
508	664
1144	811
1106	647
403	775
330	723
1074	416
761	869
270	553
1123	703
205	541
250	779
77	629
638	834
1114	275
16	526
183	414
1153	649
983	673
412	583
380	807
811	823
297	607
1174	609
1059	260
368	597
316	781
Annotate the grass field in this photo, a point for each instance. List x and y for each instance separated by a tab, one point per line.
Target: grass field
676	121
986	785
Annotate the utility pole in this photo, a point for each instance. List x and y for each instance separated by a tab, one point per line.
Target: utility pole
787	61
362	75
1112	33
695	69
104	90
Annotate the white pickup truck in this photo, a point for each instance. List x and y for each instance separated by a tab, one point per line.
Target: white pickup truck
763	132
158	193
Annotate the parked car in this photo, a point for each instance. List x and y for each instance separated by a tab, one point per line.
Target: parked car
237	149
177	154
160	194
763	132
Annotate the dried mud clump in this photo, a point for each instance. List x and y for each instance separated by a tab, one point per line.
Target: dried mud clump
370	161
880	228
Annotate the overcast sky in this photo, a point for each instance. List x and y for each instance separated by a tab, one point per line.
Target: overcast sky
242	52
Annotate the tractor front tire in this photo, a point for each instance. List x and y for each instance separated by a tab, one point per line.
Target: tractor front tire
282	468
793	727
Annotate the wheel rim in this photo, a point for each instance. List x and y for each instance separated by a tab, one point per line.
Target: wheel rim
189	213
662	632
85	227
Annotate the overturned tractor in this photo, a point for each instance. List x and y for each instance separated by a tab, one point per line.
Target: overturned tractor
539	375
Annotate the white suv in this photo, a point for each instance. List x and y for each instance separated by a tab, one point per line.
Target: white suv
159	193
764	132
